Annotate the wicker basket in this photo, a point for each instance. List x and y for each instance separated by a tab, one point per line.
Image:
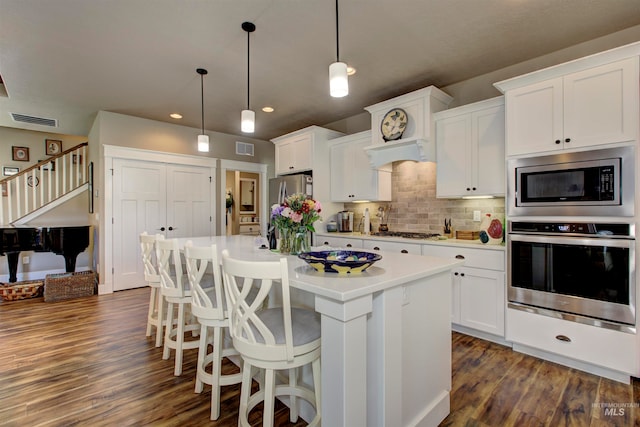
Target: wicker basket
21	290
63	286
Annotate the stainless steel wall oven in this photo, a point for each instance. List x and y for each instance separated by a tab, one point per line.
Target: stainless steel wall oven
582	271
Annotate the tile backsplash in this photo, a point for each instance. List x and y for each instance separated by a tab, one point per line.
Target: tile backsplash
414	206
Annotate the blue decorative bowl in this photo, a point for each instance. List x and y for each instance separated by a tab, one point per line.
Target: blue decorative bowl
339	261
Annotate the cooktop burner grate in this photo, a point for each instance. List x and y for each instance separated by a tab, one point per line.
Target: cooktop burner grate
407	234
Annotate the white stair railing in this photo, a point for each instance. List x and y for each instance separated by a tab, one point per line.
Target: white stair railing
43	183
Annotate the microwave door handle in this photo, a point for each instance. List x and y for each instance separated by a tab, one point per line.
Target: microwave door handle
564	240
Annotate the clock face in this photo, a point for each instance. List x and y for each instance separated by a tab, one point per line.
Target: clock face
394	124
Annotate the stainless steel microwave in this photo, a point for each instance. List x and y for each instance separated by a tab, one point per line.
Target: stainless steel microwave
585	183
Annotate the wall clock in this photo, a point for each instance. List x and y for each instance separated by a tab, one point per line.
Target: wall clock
394	124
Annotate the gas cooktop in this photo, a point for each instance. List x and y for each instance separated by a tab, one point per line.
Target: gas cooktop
407	234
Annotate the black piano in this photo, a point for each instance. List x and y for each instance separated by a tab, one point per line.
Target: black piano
66	241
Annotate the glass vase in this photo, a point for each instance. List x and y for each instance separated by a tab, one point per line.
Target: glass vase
294	241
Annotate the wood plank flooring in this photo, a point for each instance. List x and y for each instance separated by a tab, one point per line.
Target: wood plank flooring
87	362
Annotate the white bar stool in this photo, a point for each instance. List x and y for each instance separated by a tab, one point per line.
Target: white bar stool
156	314
176	291
209	307
272	339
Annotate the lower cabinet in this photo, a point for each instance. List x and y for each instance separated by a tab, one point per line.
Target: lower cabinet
251	230
478	293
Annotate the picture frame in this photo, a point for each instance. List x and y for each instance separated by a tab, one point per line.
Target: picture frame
20	154
52	147
4	189
9	171
51	165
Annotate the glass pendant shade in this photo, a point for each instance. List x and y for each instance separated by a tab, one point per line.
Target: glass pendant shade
203	143
338	80
248	121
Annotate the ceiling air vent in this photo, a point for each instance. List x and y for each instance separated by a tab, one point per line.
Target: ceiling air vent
244	148
23	118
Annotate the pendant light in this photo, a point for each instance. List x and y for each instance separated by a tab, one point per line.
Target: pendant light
248	117
338	80
203	140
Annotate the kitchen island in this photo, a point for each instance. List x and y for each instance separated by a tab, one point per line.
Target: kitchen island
386	335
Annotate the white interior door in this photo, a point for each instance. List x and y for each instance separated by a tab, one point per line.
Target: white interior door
189	198
139	204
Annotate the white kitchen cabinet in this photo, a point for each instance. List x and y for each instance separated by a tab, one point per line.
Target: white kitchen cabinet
594	106
338	242
352	177
301	150
250	229
386	246
478	293
470	150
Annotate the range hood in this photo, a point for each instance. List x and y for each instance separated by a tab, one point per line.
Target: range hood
419	150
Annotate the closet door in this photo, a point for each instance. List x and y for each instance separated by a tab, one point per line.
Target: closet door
189	196
139	204
174	200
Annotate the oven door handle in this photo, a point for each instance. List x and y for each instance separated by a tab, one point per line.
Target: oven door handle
583	241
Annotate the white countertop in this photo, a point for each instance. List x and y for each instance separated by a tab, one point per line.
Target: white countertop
476	244
392	270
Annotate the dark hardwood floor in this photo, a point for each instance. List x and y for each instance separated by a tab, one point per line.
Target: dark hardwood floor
86	362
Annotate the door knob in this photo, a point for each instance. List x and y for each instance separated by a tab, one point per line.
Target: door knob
162	229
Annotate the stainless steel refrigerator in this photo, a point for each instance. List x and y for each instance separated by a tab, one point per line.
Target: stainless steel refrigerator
282	187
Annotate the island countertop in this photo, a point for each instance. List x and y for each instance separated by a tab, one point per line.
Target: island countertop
394	269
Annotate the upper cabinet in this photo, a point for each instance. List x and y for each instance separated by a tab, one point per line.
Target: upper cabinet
352	177
586	102
470	150
410	139
303	150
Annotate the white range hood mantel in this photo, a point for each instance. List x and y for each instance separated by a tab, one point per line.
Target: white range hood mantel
420	150
418	142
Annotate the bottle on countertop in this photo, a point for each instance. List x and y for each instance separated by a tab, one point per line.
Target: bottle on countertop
367	222
273	242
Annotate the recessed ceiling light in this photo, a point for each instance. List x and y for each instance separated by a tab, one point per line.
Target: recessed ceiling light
267	109
175	115
350	71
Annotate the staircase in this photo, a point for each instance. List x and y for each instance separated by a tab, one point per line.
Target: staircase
44	186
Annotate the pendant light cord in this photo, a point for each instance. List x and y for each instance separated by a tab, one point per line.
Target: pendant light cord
202	99
248	68
337	36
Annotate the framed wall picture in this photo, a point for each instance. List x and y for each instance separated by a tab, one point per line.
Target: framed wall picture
4	189
8	171
52	147
75	158
20	154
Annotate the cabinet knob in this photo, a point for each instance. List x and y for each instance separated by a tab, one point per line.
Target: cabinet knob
162	228
375	248
459	256
456	273
567	140
462	274
348	245
563	338
557	141
326	243
171	229
404	251
290	167
474	188
468	189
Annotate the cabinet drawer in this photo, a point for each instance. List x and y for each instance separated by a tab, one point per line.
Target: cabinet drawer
478	258
253	230
338	242
603	347
401	247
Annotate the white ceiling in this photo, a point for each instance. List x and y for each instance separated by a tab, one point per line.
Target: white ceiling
68	59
